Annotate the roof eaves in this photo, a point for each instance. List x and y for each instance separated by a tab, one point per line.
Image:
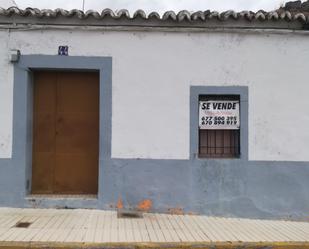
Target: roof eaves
280	18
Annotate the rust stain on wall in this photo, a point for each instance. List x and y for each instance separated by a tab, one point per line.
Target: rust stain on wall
120	203
145	205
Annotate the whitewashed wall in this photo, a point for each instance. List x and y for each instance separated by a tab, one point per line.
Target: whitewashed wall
152	74
6	97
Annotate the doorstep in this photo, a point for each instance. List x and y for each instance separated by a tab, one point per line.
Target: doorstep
56	196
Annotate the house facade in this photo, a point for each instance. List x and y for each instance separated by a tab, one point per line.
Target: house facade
199	112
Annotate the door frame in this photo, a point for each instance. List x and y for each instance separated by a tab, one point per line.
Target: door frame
23	105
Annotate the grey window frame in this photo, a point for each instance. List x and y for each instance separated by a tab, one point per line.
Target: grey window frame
195	92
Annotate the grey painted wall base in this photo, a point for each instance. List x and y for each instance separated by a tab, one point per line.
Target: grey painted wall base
223	187
242	189
239	189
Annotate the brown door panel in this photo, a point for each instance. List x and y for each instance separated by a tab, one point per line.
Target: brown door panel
66	133
43	173
77	132
44	133
44	117
78	92
74	173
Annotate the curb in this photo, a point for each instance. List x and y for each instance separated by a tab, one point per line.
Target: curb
134	245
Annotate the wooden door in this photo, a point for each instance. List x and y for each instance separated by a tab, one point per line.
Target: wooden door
65	133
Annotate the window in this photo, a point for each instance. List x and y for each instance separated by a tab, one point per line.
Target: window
219	126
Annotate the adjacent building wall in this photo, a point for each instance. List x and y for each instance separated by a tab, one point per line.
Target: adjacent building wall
150	148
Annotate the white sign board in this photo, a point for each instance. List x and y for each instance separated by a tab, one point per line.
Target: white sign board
219	114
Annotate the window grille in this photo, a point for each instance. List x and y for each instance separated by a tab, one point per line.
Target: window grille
219	143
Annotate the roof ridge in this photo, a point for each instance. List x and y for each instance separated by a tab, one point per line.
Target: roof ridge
183	15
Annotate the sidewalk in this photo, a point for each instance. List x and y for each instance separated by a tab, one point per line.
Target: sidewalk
102	229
